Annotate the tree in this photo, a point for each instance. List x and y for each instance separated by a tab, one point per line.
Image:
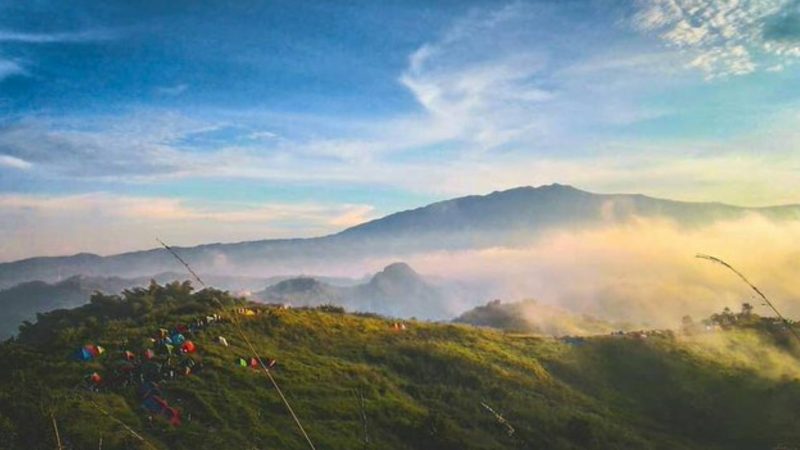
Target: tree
687	324
747	309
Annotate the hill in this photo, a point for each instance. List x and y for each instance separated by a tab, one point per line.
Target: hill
24	301
396	291
530	316
501	218
354	378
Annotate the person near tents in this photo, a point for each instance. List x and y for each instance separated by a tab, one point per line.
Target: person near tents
187	365
148	389
165	348
156	404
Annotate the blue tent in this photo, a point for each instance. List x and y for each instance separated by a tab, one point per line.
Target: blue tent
83	354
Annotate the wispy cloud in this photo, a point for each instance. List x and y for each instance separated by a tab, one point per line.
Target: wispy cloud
10	68
724	37
56	37
14	163
172	91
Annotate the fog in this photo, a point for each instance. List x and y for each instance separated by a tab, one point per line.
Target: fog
643	271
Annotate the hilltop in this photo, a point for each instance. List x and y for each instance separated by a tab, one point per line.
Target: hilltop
396	291
530	316
505	218
422	386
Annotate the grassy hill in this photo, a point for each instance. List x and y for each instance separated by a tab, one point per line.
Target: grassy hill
530	316
422	387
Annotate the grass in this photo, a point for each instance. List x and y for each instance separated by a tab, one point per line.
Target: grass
422	387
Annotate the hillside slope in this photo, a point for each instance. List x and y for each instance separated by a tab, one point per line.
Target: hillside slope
509	217
530	316
422	387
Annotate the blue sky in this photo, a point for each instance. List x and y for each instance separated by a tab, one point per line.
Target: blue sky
241	120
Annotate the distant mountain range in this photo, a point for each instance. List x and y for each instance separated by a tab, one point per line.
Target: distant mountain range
504	218
396	291
23	301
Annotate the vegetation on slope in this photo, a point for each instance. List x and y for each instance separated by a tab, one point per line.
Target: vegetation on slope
422	387
530	316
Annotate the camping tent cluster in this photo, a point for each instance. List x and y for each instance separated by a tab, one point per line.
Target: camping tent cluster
169	353
254	364
88	352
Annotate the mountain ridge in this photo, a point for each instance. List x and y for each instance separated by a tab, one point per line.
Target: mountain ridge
501	218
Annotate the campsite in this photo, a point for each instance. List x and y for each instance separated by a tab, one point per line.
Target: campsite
400	225
357	381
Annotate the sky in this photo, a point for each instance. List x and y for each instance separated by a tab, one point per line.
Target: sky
236	120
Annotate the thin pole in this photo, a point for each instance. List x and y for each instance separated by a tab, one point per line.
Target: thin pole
363	418
754	288
55	429
249	345
500	419
123	424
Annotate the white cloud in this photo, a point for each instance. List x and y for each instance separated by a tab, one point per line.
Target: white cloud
56	37
724	38
111	223
14	163
10	68
172	91
476	90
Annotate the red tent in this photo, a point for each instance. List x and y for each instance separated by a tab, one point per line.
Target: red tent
188	347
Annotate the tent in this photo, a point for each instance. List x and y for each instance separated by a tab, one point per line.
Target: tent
148	354
188	347
222	341
82	354
128	355
157	405
241	362
178	339
88	352
94	378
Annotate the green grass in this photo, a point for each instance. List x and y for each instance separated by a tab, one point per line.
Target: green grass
422	388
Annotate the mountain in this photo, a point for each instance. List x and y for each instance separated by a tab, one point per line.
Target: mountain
530	316
24	301
396	291
399	291
303	291
358	382
511	217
